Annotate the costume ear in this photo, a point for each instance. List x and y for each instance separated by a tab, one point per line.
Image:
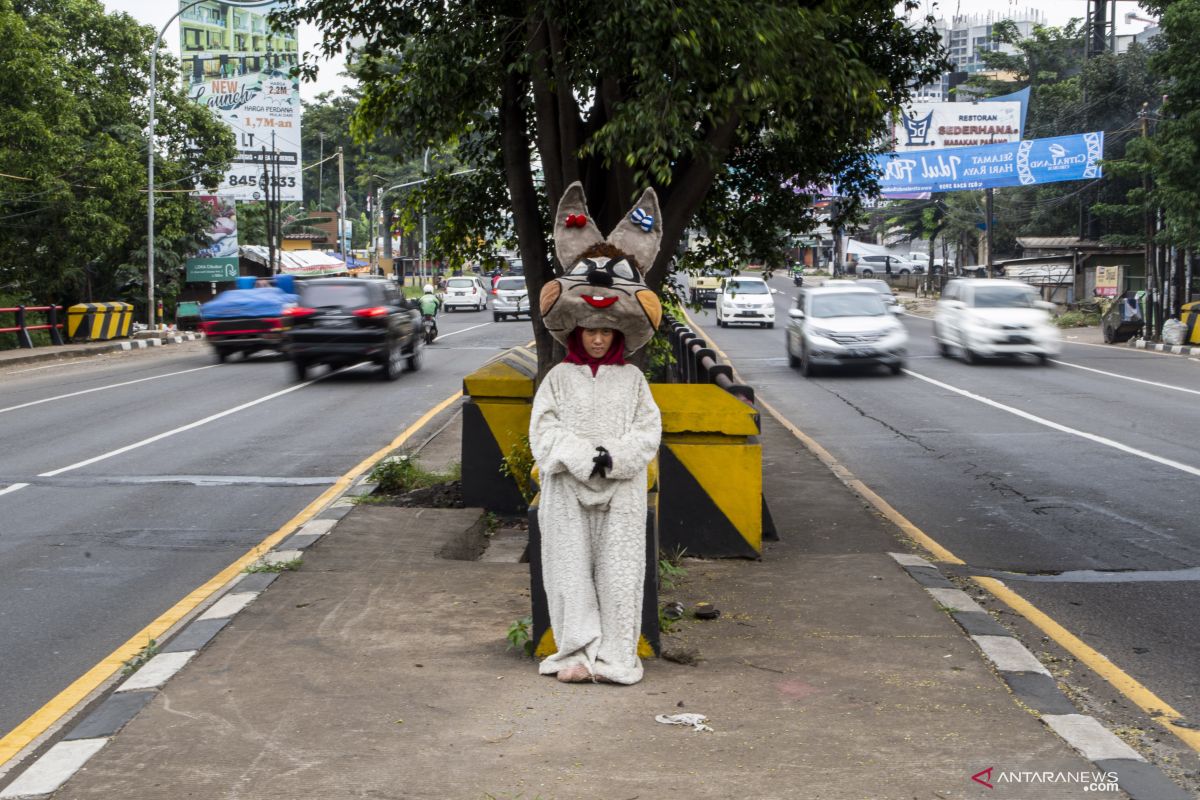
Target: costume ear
640	233
574	230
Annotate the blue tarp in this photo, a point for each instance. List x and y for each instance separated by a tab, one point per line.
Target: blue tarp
264	302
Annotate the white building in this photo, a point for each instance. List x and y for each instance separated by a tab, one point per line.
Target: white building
967	37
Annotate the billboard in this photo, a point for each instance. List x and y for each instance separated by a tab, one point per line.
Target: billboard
931	126
235	64
219	260
1024	163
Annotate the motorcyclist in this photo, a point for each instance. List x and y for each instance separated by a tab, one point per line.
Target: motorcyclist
430	303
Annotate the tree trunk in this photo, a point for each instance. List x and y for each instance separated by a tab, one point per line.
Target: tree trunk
530	238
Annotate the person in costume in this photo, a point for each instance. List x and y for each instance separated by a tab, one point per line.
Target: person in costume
593	432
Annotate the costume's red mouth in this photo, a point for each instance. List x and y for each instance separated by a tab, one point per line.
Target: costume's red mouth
599	302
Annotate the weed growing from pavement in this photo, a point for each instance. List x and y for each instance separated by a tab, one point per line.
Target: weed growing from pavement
520	635
275	566
670	572
140	658
666	625
400	474
491	524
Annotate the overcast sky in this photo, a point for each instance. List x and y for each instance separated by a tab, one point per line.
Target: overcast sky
1057	12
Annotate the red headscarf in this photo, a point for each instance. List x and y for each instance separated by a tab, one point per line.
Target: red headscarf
578	354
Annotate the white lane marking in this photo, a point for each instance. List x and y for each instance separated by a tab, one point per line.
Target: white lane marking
157	671
15	487
189	426
463	330
1127	377
102	388
1190	470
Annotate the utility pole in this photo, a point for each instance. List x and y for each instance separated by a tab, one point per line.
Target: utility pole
321	174
267	217
1149	323
341	207
989	199
425	173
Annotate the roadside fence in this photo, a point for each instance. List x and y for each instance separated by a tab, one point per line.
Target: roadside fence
696	362
22	325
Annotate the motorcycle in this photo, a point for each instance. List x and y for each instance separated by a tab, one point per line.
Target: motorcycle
429	328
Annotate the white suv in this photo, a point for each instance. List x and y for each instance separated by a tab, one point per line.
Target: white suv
744	299
464	292
993	317
842	325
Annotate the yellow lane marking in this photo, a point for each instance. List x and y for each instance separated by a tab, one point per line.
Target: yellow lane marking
41	720
1123	682
1145	699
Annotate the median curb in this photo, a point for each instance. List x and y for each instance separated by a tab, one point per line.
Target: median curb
1033	685
1158	347
10	358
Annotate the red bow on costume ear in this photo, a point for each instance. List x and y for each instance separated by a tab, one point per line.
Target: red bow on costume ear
576	221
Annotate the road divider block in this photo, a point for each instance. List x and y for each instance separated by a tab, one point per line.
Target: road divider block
495	419
99	322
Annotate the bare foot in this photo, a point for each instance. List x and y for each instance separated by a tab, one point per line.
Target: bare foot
576	673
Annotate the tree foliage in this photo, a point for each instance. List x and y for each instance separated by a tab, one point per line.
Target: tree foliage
73	153
715	103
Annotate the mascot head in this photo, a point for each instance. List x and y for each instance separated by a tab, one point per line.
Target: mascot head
603	283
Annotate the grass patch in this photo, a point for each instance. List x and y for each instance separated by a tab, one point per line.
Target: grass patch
275	566
400	474
1077	319
140	658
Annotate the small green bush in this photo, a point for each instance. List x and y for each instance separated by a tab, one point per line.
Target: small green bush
1077	319
518	464
400	474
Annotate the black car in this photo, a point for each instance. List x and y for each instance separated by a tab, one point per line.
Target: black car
346	320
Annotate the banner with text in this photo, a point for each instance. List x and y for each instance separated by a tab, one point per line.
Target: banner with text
219	260
235	64
929	126
1033	161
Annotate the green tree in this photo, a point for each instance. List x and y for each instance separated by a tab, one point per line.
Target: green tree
73	152
722	106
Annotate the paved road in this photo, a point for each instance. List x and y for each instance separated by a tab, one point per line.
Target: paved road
91	553
1045	472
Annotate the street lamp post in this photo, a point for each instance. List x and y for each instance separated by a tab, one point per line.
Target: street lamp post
151	313
398	186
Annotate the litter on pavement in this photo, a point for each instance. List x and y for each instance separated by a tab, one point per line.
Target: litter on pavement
695	720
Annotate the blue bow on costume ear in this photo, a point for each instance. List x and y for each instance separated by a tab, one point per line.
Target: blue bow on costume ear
642	220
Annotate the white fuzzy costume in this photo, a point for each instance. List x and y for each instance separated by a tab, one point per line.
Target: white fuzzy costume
594	529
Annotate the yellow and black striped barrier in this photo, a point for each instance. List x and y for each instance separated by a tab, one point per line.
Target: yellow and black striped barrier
1191	318
649	643
99	322
496	419
711	472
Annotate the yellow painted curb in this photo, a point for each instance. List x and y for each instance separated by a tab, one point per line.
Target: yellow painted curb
41	720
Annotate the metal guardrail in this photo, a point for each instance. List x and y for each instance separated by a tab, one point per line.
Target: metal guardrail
696	362
22	327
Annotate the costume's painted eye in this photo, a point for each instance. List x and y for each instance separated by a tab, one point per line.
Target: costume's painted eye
622	270
581	268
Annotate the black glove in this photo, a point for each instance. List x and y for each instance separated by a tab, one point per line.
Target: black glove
603	462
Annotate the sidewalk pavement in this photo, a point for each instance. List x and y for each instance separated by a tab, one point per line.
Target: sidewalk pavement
22	356
380	669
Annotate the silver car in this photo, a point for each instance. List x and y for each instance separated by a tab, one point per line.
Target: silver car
510	298
842	325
